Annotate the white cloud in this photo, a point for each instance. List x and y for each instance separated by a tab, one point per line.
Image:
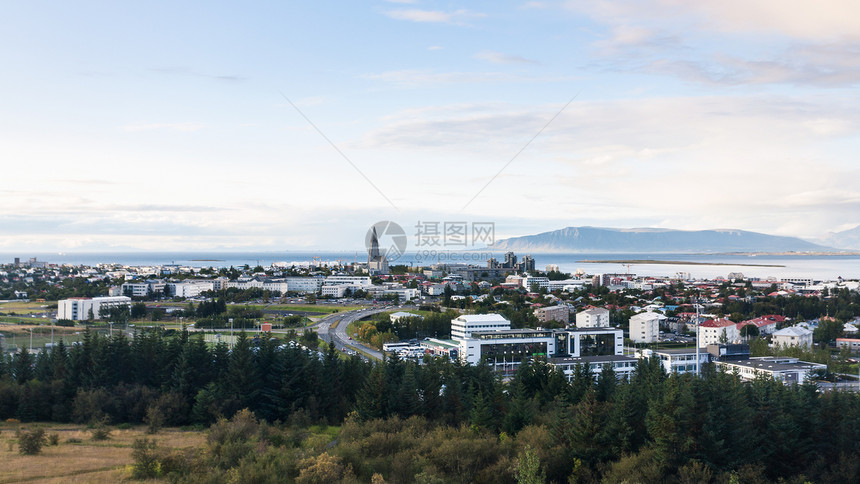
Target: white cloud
434	16
186	127
800	19
499	58
761	162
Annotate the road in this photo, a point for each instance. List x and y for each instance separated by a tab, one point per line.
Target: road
339	336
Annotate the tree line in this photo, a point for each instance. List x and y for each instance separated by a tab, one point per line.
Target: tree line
444	421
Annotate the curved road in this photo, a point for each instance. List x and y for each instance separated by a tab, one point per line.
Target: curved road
339	336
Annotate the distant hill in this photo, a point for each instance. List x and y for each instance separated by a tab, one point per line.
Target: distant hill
654	240
847	239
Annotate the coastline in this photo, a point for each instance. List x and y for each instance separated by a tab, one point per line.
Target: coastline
675	262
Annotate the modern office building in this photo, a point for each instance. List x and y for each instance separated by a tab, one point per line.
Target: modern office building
677	360
506	349
788	370
81	308
463	326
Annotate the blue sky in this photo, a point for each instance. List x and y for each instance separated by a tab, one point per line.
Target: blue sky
169	125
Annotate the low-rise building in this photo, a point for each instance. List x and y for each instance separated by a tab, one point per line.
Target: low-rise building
792	336
850	343
623	366
785	369
82	308
681	360
304	284
336	291
395	317
507	349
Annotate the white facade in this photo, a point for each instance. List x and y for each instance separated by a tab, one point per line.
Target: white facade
395	317
78	309
279	286
623	366
135	289
712	331
363	281
190	288
677	361
506	349
793	336
336	291
539	282
435	289
645	327
304	284
593	318
463	326
789	371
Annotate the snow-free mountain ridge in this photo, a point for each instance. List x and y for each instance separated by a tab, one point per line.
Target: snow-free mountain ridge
654	240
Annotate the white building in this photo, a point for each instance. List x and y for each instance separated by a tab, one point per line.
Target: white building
363	281
713	331
304	284
463	326
645	327
80	308
336	291
792	336
279	286
623	366
189	288
593	318
506	349
788	370
395	317
677	360
533	283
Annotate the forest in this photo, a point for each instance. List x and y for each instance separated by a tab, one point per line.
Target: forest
398	421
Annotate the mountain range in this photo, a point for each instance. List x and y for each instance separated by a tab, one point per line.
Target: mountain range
657	240
847	239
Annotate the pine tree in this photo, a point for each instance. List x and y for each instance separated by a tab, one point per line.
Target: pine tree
373	399
22	366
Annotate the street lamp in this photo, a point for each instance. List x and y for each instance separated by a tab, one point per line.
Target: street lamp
231	333
110	323
31	340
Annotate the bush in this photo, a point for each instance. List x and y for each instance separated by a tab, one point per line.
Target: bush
54	439
100	431
145	455
30	443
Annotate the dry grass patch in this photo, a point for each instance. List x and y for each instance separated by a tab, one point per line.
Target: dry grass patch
88	461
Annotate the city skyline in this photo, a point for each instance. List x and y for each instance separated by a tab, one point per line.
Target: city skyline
205	127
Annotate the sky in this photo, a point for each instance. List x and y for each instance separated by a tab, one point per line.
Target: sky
288	125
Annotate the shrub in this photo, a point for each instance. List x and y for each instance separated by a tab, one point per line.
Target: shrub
100	431
31	442
145	455
54	439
